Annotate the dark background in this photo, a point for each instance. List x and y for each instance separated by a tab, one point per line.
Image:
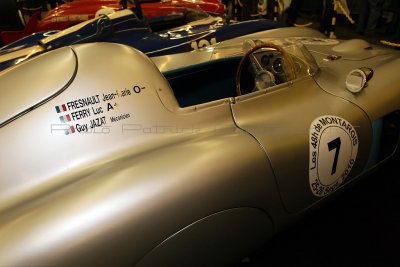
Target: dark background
360	227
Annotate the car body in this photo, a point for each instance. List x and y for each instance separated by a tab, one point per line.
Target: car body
124	160
69	14
196	29
72	13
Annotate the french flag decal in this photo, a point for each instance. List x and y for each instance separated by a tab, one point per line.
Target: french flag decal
61	108
65	118
71	130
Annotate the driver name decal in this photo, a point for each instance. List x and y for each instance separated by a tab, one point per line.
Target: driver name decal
333	151
85	114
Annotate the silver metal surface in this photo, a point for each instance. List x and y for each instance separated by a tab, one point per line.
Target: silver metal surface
21	94
102	165
60	191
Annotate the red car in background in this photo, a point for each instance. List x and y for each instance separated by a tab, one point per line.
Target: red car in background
72	13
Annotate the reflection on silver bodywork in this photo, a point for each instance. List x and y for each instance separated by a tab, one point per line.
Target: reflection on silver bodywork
110	162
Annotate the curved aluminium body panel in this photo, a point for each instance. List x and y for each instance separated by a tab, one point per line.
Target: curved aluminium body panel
382	93
283	122
125	167
31	92
106	162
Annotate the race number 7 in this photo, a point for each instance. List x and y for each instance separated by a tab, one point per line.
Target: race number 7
334	144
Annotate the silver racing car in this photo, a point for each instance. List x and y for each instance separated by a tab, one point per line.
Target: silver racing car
194	159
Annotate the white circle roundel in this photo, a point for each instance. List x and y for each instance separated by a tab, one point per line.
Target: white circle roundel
333	151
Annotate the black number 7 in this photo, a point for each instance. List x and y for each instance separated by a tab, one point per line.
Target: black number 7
335	143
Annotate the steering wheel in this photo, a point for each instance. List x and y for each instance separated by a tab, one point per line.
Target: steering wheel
286	57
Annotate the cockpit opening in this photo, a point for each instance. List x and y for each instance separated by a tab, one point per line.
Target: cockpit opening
261	67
